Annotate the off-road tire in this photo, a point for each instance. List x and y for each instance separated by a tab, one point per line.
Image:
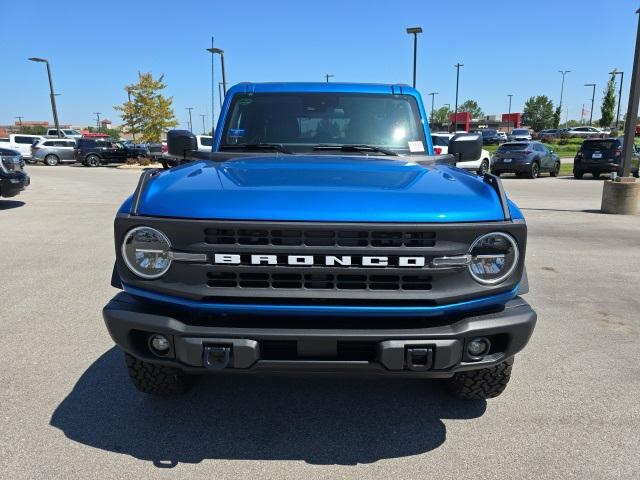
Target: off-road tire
157	379
481	384
556	170
636	173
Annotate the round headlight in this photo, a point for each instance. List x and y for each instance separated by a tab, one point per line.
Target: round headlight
146	251
494	256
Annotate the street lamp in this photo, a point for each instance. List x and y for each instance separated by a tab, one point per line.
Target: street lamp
224	75
190	121
615	72
563	73
509	114
414	31
327	76
433	94
593	96
53	95
455	121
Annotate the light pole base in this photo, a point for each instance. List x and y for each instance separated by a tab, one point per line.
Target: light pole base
621	196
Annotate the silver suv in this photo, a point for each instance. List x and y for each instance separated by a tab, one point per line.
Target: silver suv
53	151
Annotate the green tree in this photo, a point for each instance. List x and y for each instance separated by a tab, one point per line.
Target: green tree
472	107
34	130
538	113
148	113
608	102
556	117
441	115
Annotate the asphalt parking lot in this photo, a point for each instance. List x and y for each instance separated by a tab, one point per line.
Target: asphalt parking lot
67	410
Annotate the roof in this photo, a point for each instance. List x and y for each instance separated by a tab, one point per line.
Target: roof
319	87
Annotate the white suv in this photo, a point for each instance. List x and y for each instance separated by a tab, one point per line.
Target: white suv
441	147
22	143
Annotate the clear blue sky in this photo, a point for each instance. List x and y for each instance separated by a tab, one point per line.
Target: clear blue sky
506	47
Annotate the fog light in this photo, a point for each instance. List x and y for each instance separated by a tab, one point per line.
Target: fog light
160	344
478	347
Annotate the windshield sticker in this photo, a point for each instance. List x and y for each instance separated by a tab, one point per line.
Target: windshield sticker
415	147
236	132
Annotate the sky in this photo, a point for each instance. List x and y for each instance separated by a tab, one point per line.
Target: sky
507	47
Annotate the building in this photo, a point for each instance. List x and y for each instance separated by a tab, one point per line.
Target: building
465	123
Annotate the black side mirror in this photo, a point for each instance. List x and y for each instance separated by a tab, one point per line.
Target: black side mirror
181	143
466	146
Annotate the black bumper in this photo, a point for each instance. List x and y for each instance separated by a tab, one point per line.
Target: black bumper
596	167
13	183
316	344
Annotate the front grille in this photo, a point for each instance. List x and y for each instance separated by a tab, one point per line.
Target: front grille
318	281
319	238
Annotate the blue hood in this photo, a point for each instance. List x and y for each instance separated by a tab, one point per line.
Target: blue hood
321	188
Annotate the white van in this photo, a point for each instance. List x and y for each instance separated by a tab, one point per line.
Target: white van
22	143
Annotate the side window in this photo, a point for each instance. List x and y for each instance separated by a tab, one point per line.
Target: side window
70	144
48	144
27	140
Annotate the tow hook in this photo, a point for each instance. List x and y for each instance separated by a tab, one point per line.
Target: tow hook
419	359
216	357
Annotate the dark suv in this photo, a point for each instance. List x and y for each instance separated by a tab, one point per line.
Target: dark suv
525	159
602	155
92	152
489	136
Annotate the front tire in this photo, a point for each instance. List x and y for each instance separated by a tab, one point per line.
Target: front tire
92	161
51	160
484	167
534	171
157	379
481	384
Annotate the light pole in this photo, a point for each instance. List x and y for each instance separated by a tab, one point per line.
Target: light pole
455	122
133	132
414	31
615	72
632	108
509	114
97	114
20	121
224	75
593	96
433	94
53	95
204	128
190	121
213	88
327	76
563	73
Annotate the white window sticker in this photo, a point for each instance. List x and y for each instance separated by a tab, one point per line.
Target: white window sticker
416	146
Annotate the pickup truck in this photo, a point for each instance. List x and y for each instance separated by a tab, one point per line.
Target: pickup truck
321	234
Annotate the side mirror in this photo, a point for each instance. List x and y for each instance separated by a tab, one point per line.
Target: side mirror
466	147
181	143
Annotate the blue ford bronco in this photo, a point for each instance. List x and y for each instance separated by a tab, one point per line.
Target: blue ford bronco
321	234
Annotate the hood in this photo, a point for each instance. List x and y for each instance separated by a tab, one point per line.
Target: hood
321	188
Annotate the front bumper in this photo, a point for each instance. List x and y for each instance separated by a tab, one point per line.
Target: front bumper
12	184
414	347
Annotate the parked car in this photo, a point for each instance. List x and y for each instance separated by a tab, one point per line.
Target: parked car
92	152
503	137
520	135
602	155
64	133
157	150
585	132
489	136
205	143
525	159
13	178
441	147
53	151
548	133
22	143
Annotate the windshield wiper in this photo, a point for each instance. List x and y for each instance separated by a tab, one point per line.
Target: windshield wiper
357	148
258	146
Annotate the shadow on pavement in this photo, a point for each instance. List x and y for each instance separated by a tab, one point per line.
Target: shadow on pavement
9	204
321	420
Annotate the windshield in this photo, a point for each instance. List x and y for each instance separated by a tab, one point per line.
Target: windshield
439	141
600	145
302	121
510	147
518	131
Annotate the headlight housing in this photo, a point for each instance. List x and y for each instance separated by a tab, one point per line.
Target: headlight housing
494	256
147	252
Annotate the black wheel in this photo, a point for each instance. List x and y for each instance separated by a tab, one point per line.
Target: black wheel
484	167
636	173
157	379
534	171
577	174
92	161
556	170
596	175
51	160
481	384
